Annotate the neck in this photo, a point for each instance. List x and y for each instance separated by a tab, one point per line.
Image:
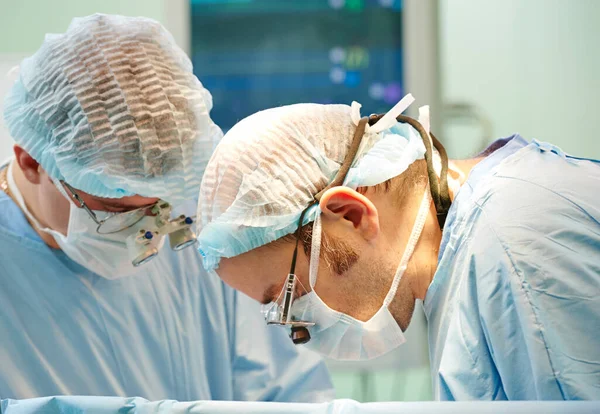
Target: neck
30	197
423	265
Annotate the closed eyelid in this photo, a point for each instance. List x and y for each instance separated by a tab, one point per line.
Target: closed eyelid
269	294
299	293
119	208
112	209
272	293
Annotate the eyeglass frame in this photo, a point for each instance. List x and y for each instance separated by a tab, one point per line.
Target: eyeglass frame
73	193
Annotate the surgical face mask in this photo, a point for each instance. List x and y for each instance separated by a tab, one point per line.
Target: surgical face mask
107	255
114	255
340	336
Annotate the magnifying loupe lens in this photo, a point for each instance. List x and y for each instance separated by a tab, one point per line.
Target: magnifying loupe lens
145	257
181	239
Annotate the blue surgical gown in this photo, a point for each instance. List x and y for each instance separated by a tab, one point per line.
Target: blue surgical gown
168	332
514	307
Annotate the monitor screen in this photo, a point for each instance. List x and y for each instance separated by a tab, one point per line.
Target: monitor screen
257	54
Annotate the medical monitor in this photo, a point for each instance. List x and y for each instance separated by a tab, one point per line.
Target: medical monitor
257	54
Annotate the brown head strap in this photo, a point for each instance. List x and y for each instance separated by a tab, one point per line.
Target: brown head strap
359	132
439	189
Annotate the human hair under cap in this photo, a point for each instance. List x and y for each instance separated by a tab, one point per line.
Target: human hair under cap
268	168
112	108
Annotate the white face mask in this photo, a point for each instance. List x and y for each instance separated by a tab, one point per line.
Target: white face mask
340	336
104	254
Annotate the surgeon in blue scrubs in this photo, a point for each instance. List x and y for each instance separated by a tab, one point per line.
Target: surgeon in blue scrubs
338	223
112	134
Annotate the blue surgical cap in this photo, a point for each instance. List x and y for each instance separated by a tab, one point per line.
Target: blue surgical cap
112	108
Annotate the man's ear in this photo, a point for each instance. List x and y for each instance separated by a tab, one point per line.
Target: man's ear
30	167
343	203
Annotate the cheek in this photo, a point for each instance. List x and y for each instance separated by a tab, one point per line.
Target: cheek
54	207
358	293
334	289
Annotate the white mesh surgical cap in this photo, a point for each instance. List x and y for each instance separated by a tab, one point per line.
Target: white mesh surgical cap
112	108
268	168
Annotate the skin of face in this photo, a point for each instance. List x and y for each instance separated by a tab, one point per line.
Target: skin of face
373	228
50	207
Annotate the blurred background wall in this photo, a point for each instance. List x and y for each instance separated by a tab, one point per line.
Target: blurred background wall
489	68
526	66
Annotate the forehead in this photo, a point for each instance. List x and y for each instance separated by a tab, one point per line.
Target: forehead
259	270
128	202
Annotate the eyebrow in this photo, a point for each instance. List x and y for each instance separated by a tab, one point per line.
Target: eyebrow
124	205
